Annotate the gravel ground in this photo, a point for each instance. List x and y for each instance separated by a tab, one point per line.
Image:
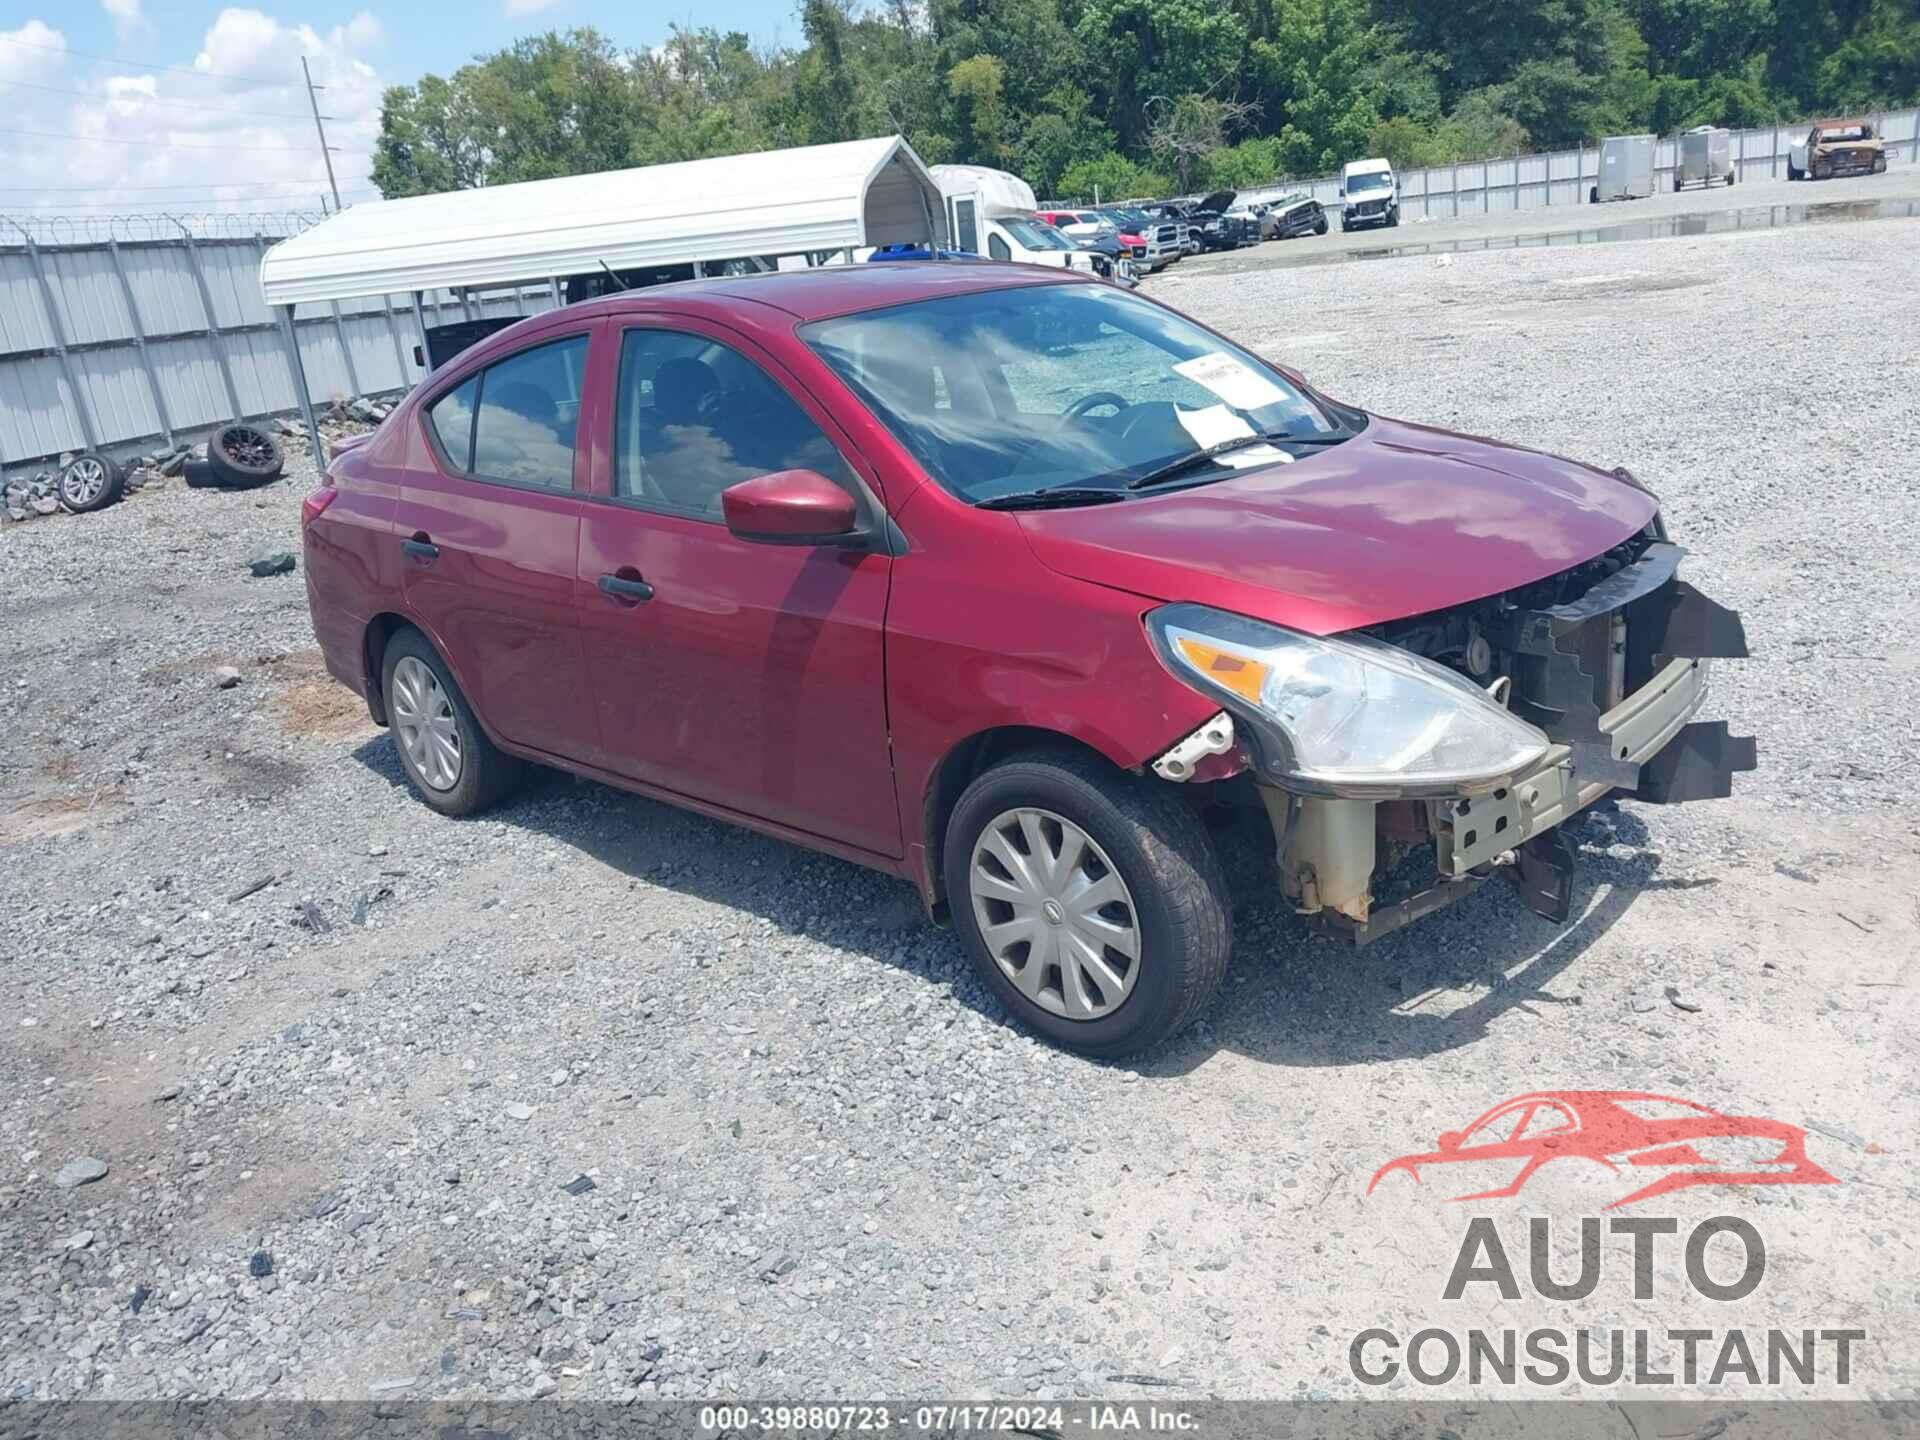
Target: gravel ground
311	1029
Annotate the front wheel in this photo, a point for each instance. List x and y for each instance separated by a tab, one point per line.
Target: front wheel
1091	902
1793	171
1879	164
1320	226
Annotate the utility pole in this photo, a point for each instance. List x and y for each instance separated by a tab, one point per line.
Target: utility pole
325	153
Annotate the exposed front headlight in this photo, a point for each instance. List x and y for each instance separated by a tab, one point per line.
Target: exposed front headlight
1348	715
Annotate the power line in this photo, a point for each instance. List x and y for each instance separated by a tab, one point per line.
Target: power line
144	65
156	144
184	185
179	202
147	99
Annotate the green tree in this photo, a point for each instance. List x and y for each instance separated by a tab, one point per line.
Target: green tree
1112	177
978	90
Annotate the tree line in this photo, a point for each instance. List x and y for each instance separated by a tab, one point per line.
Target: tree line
1149	97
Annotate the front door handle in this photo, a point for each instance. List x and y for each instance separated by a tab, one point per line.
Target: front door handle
421	549
627	589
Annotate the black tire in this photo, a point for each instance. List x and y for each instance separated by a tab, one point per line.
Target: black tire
1320	226
90	481
242	455
1393	220
487	774
1159	848
1879	164
1792	173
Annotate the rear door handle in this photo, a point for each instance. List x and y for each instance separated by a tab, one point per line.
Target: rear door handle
627	590
421	549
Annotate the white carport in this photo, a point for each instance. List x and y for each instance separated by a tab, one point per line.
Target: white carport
757	207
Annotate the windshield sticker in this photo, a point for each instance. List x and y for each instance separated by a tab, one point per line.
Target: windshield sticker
1241	386
1215	425
1253	455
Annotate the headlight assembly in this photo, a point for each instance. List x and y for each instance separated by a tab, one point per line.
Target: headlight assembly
1346	715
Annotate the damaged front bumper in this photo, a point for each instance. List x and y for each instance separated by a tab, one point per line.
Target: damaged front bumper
1614	679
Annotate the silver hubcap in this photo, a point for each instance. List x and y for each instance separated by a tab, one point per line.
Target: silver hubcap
424	722
1054	913
83	480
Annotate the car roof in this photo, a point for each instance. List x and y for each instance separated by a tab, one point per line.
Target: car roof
834	289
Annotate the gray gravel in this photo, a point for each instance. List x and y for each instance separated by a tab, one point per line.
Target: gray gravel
294	1012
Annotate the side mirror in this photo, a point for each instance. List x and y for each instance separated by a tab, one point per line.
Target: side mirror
790	507
1341	193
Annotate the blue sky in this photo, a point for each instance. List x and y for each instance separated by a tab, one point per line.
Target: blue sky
138	106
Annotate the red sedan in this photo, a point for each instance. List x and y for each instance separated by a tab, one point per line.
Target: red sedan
996	578
1656	1143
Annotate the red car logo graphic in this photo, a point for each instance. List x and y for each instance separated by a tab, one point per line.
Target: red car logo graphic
1626	1131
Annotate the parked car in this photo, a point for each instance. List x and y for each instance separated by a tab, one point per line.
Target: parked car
865	558
1189	234
1297	214
1837	147
1369	194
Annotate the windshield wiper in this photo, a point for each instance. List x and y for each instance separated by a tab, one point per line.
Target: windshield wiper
1239	442
1048	499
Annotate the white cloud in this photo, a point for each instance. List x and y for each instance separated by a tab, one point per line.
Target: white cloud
127	18
529	7
230	131
37	49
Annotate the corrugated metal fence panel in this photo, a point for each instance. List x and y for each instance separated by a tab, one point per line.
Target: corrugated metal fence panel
190	381
118	398
371	343
92	306
162	282
38	417
265	380
23	318
232	270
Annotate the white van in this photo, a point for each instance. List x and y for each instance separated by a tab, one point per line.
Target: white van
1369	195
990	213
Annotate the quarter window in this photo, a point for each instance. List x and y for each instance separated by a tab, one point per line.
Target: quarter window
693	416
452	416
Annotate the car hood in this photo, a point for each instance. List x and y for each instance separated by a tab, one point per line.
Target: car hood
1398	521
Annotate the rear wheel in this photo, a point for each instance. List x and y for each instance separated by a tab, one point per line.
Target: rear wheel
1090	902
454	767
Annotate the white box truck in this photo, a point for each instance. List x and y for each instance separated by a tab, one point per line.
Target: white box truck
1626	169
991	213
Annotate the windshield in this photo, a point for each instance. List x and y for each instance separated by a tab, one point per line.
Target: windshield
1045	387
1372	180
1033	235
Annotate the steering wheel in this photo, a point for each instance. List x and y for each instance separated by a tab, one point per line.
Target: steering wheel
1085	403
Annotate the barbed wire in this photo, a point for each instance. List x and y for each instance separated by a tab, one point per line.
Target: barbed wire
202	225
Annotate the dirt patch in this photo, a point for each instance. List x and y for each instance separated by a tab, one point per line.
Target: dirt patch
314	704
45	816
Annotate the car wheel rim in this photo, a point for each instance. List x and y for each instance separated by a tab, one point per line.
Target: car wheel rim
83	481
1054	914
424	721
244	445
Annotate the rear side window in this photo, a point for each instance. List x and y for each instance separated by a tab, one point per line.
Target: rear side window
452	417
529	409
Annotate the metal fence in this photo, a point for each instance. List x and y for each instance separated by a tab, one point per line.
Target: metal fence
1567	177
126	346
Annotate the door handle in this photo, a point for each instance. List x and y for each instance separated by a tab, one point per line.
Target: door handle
421	549
628	590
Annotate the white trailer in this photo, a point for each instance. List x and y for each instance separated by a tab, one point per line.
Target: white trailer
1626	169
1706	158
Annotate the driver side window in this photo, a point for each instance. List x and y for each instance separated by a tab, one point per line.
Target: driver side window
997	248
693	416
